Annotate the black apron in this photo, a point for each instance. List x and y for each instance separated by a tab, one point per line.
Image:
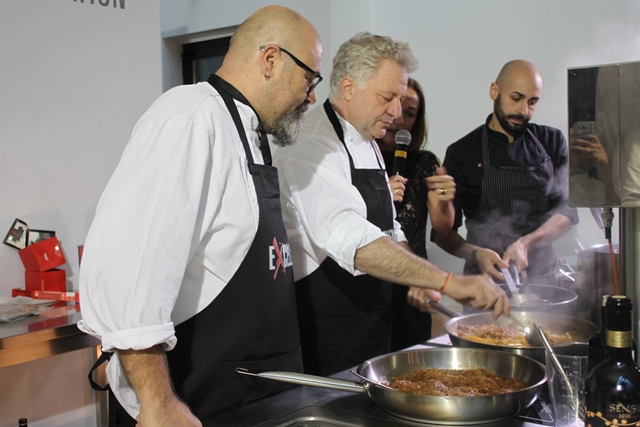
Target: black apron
514	203
346	319
252	322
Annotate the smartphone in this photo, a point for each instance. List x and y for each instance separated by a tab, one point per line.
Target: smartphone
583	128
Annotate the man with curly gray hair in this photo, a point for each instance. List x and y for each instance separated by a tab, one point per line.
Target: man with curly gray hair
339	215
359	57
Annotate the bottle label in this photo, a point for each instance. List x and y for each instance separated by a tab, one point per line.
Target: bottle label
616	415
619	339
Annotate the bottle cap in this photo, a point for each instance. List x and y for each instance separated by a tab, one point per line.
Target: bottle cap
619	303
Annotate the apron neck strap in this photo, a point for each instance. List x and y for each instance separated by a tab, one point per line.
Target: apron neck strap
228	93
337	127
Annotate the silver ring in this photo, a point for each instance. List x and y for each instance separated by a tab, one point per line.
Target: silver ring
443	191
396	191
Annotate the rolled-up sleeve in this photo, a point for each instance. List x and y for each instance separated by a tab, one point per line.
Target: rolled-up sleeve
330	212
147	225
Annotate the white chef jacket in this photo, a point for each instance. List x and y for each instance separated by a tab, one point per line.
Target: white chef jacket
172	226
323	212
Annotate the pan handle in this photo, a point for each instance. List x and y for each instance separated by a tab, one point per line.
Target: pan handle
447	311
370	381
306	379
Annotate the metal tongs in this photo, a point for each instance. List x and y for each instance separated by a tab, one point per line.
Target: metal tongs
557	365
515	297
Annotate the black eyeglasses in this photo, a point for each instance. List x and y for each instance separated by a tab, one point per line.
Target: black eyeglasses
318	77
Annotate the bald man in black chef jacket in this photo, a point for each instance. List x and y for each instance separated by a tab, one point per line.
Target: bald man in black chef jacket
511	184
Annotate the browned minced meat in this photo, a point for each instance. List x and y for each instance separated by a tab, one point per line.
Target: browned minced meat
455	382
511	336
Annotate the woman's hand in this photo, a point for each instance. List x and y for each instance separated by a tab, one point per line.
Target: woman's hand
441	190
442	185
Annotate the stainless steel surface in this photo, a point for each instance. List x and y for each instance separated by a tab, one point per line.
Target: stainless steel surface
454	410
444	309
593	94
306	379
547	320
511	285
544	297
441	410
532	335
52	332
318	416
306	406
554	358
594	278
610	95
520	293
369	380
517	295
629	275
607	97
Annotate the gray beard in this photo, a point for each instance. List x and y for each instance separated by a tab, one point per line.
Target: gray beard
288	128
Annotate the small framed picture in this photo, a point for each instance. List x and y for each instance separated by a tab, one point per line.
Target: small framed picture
35	236
17	235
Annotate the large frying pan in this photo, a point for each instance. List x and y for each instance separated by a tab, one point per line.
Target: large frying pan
581	329
559	300
445	410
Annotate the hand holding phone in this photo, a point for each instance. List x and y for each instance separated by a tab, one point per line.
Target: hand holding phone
583	128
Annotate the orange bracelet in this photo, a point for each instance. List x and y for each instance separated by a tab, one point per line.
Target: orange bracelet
446	282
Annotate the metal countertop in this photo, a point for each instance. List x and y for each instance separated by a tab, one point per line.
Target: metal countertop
52	332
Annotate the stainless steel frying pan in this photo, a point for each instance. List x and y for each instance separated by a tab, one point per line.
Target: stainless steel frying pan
444	410
543	297
580	329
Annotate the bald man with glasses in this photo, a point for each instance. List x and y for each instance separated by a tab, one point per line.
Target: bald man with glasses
175	280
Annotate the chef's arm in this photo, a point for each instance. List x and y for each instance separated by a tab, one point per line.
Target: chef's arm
387	260
148	373
488	260
441	213
552	229
454	244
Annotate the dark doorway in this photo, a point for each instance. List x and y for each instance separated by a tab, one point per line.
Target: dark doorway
200	59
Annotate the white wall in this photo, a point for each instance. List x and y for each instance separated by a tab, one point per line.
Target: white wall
187	22
461	45
75	77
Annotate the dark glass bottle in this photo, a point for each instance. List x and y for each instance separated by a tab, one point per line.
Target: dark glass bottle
22	422
598	342
612	389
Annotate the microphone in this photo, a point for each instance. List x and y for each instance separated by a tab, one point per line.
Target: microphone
403	138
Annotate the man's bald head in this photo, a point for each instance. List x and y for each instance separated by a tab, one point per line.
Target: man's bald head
271	24
264	64
516	69
515	95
